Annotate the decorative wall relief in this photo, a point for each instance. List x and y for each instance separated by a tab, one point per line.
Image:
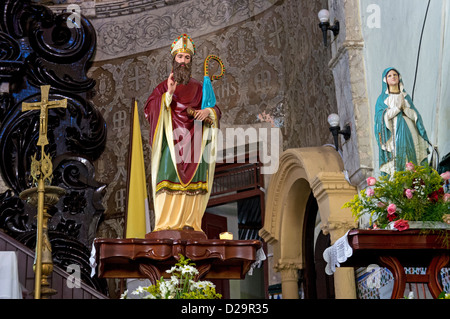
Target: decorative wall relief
123	33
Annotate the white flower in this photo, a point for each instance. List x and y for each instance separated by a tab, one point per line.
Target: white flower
194	285
210	284
173	269
201	284
138	290
174	280
189	270
168	288
124	295
163	289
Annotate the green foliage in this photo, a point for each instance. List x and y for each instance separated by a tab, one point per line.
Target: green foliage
415	194
444	295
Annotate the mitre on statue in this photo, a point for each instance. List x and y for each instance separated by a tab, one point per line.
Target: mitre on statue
183	44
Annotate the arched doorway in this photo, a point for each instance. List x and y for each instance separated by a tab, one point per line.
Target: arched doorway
315	282
302	173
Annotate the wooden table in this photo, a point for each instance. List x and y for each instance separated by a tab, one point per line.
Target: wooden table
150	258
398	249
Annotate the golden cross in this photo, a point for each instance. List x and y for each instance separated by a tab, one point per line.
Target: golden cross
43	105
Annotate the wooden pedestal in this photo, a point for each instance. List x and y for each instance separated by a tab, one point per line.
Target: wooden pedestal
396	250
159	251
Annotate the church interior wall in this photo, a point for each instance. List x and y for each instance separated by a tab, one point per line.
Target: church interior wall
347	64
276	77
277	74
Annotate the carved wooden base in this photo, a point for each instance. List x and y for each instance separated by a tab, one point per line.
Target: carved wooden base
151	257
187	233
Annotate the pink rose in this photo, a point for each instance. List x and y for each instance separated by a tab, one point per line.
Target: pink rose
409	166
371	181
401	224
409	193
391	209
446	197
370	192
446	175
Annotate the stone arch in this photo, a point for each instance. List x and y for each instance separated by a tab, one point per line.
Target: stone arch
302	171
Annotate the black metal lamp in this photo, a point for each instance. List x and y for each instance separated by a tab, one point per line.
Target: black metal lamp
324	25
335	129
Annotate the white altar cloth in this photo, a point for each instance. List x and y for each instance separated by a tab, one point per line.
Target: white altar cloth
336	254
10	287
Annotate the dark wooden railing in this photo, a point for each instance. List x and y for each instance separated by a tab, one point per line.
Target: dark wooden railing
58	280
238	179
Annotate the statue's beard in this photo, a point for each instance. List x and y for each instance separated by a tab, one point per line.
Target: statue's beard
182	72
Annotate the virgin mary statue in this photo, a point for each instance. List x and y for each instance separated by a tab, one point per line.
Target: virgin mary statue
399	129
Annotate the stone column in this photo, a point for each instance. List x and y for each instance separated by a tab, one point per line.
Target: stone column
331	191
347	64
344	277
344	283
289	279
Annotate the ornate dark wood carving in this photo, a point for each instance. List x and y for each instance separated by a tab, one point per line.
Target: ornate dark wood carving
150	258
38	47
151	272
202	271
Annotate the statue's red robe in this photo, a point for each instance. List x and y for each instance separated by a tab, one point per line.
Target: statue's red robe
176	138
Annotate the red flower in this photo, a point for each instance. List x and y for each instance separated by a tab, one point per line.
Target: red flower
401	224
434	196
391	217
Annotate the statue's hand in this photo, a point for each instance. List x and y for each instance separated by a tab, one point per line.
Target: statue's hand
171	84
201	115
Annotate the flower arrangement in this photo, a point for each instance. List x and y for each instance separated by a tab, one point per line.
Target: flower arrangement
181	285
444	295
415	194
